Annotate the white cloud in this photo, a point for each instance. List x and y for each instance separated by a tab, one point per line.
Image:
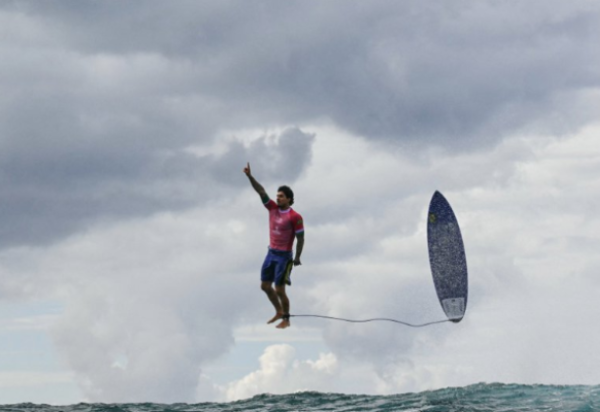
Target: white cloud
261	332
156	294
280	372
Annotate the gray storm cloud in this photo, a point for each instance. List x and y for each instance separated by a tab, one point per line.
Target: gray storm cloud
468	72
51	194
99	101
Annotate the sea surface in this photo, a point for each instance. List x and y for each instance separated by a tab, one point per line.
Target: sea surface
480	397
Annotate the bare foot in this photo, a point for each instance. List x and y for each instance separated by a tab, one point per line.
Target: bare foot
276	317
284	324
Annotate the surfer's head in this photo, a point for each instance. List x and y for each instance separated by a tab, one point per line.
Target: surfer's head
285	197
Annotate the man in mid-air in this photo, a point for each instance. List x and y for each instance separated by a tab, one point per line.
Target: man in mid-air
285	224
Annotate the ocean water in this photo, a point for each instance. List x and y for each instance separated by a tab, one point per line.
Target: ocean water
480	397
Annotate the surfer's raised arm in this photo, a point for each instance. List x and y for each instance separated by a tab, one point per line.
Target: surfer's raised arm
257	186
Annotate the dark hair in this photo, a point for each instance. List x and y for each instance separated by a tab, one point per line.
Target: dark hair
287	192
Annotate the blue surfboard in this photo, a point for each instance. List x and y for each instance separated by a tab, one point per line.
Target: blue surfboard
447	258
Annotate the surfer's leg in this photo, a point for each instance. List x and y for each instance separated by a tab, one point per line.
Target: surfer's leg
267	278
272	295
285	306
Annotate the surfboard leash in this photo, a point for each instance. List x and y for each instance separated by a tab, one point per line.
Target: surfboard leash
373	320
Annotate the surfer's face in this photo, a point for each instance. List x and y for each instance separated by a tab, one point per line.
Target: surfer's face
282	200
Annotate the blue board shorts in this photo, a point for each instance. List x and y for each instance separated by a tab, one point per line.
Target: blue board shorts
277	267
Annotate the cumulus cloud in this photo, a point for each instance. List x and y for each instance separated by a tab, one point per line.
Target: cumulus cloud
280	372
145	303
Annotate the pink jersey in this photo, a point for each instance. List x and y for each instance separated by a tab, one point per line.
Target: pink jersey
283	226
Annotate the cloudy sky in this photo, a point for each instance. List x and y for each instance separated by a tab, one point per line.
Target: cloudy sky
131	242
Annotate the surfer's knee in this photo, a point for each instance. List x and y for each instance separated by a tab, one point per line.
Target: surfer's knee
266	287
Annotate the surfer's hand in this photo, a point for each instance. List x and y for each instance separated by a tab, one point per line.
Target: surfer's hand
297	262
247	170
